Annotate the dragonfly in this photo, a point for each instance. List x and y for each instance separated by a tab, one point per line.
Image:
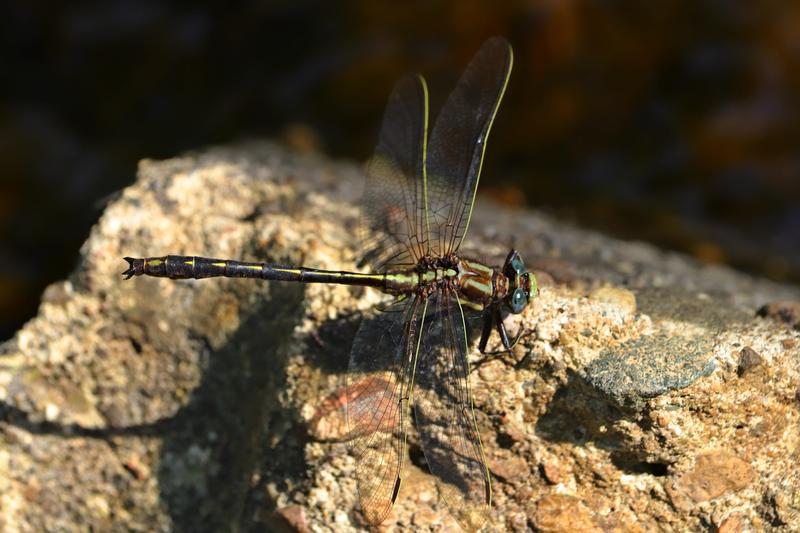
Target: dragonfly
415	211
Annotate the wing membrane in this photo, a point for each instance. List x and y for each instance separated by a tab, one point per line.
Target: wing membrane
444	413
393	215
379	381
458	142
413	207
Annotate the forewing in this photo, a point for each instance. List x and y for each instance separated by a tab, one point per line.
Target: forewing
444	413
458	142
393	216
379	379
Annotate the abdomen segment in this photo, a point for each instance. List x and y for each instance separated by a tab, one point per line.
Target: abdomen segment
190	267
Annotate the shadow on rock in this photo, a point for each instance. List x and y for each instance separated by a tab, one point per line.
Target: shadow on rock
330	343
580	414
210	457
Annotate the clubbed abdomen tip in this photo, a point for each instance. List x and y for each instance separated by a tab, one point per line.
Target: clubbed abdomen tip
135	267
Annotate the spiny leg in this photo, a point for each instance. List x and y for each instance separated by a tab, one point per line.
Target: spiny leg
501	328
492	317
488	322
504	336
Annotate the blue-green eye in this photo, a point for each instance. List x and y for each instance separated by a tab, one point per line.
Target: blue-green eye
518	265
518	301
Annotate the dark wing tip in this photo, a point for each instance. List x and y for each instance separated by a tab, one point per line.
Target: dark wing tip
497	40
496	47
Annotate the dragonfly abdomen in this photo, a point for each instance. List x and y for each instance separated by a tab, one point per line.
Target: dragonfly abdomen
191	267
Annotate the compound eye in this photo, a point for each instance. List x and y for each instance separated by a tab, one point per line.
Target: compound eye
518	301
518	265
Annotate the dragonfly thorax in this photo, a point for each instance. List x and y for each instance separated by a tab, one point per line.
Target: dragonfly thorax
435	273
477	285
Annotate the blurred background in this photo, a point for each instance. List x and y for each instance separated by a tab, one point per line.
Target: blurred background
671	122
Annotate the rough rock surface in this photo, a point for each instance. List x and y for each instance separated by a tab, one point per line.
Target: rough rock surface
647	393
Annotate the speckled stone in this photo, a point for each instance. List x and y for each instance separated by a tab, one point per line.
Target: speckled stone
714	473
748	360
650	366
158	405
734	523
290	518
711	309
622	298
787	312
555	513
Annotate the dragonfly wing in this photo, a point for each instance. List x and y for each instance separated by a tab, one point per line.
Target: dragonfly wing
444	413
379	381
458	142
392	230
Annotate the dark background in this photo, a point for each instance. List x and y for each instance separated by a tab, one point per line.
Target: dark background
673	122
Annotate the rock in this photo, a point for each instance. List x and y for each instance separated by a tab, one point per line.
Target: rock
553	472
509	469
780	507
712	310
138	470
290	519
732	524
748	359
559	512
714	473
216	405
784	311
624	299
650	366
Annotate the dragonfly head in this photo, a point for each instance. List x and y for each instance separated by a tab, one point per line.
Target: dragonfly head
521	283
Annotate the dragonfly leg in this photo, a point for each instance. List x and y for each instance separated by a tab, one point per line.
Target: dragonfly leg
494	317
501	329
488	319
516	338
508	344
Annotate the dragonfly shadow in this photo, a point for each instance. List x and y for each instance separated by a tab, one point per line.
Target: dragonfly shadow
329	345
235	429
442	452
232	430
19	418
579	413
331	342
